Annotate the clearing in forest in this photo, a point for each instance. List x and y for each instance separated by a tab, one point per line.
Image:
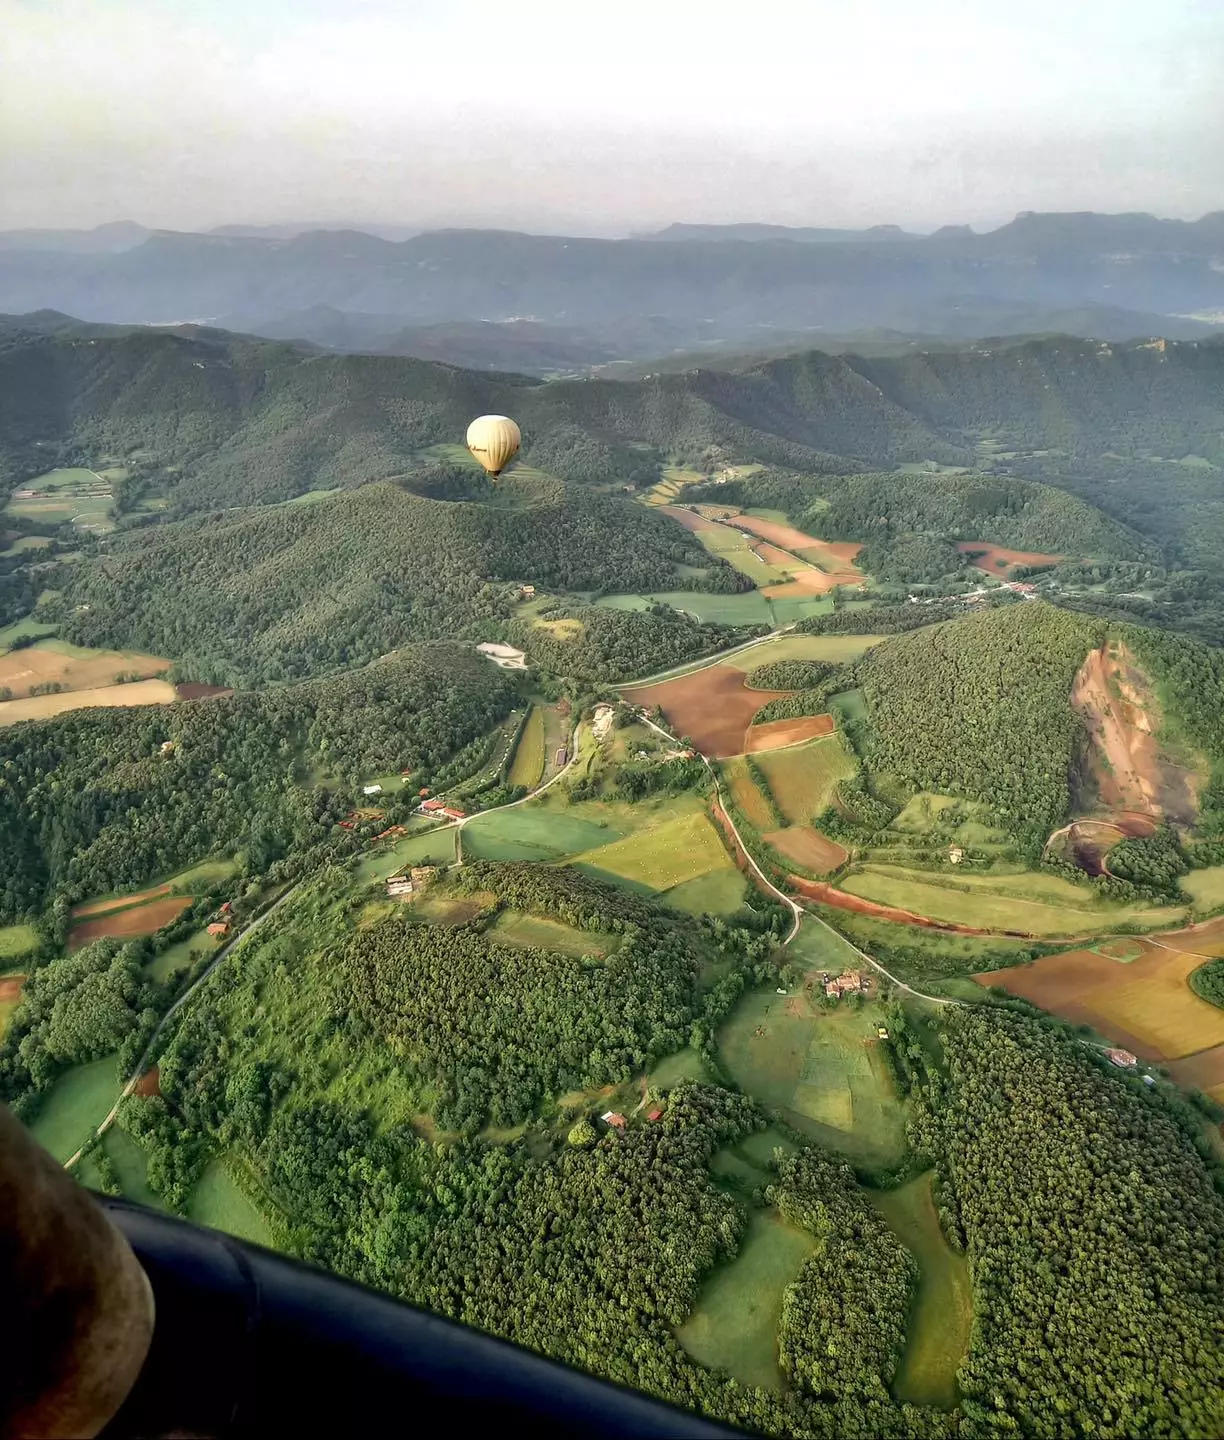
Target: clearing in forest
56	662
937	1333
17	940
75	1106
10	997
1145	1004
197	880
803	778
712	707
1130	769
734	1325
539	932
42	707
218	1203
663	855
807	848
824	1070
998	560
127	923
528	764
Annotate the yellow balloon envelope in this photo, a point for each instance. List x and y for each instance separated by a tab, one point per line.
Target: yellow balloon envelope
494	440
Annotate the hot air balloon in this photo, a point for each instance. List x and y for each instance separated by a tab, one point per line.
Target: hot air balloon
494	441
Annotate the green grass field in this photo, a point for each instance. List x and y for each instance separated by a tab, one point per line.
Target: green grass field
512	927
531	832
664	855
721	892
786	612
16	941
181	955
1025	903
218	1202
750	608
734	1325
824	1071
528	763
1205	888
130	1165
68	498
75	1106
819	947
19	629
24	544
937	1335
685	1064
437	847
802	778
836	649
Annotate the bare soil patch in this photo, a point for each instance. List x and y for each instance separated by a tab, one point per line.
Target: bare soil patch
998	560
777	734
194	690
135	920
1127	765
807	847
689	520
712	707
10	988
149	1084
805	583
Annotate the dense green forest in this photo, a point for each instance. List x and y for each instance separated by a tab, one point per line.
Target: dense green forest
1095	1234
1208	981
283	593
624	644
90	803
980	707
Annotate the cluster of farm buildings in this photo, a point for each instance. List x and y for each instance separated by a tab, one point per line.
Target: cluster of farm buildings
405	887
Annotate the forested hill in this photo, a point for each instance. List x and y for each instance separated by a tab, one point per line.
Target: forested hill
248	421
981	707
282	592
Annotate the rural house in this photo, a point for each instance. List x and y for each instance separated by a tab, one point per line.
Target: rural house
399	886
1123	1059
850	982
218	928
615	1120
371	789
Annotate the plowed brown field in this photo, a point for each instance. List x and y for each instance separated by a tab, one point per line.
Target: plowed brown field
807	847
1204	1071
713	707
117	902
776	734
1146	1004
998	560
689	520
139	920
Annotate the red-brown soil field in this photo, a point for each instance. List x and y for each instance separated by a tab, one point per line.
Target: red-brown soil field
777	734
10	988
117	902
998	560
712	707
149	1083
135	920
807	847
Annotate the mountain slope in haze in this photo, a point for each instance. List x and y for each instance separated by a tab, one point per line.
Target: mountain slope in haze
289	591
1137	263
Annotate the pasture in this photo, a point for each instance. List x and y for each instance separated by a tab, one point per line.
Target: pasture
664	855
181	955
747	794
823	1070
734	1325
750	608
528	764
16	941
807	848
131	1167
1145	1004
42	707
75	1106
721	892
434	847
72	666
538	932
1020	905
937	1334
1205	888
78	495
712	707
532	832
129	922
22	629
218	1203
834	649
803	778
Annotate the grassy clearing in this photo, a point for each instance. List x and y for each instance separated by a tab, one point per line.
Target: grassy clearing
734	1325
436	847
131	1167
75	1106
196	881
1000	902
181	955
22	628
938	1332
786	612
1205	888
684	1065
803	778
16	941
835	649
538	932
824	1071
530	832
918	955
721	892
664	855
529	754
218	1202
24	544
750	608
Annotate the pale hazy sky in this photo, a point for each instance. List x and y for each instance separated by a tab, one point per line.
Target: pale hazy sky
606	117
